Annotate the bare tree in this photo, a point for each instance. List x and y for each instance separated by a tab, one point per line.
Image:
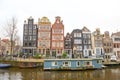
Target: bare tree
11	32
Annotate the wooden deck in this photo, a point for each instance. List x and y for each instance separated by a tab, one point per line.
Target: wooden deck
30	60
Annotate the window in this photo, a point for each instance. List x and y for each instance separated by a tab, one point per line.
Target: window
114	45
100	43
30	26
77	34
61	31
98	51
30	37
25	44
34	38
30	31
39	43
55	63
34	27
25	38
48	43
30	21
85	41
25	27
104	44
88	35
34	32
58	31
41	28
96	44
90	47
116	39
85	52
87	63
57	37
30	44
78	63
48	28
117	45
84	36
77	41
89	42
25	32
34	44
99	61
85	46
79	48
53	44
61	44
90	53
66	64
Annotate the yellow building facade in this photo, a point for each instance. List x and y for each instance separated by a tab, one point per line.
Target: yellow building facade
97	44
44	36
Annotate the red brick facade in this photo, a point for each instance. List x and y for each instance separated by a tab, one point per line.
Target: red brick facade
57	40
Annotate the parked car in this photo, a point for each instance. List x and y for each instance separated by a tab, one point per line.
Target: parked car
113	58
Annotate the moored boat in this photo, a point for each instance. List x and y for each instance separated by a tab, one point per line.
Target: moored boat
27	65
5	65
72	64
111	64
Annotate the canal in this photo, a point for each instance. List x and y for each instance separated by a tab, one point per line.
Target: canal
37	74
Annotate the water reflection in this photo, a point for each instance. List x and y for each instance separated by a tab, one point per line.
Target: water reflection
7	75
37	74
74	75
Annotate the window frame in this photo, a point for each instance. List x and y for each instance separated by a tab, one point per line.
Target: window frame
77	64
54	63
66	65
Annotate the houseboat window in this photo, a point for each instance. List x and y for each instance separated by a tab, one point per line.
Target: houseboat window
78	63
99	61
66	63
55	63
87	63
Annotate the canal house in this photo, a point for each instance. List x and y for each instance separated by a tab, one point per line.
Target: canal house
72	64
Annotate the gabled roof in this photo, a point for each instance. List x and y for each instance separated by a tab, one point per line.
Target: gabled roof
116	34
43	20
85	29
76	30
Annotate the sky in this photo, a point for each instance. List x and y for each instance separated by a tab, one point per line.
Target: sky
103	14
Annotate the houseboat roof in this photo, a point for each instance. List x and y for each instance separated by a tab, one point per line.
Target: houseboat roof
72	59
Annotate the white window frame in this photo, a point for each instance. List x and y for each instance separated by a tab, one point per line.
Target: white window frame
54	63
85	63
77	63
66	65
34	27
99	61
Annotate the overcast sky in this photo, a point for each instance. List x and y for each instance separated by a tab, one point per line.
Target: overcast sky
104	14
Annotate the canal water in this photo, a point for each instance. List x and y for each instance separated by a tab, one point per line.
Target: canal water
37	74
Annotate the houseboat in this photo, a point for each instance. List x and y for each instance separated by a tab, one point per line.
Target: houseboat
72	64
